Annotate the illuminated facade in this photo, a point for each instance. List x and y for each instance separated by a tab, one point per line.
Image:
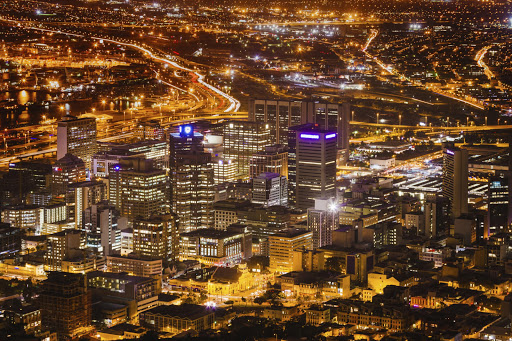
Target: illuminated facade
273	160
214	247
137	188
281	115
270	189
242	139
192	188
156	237
103	225
77	136
323	219
455	179
311	165
282	245
67	170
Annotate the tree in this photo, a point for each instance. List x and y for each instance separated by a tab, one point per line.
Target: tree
259	300
334	264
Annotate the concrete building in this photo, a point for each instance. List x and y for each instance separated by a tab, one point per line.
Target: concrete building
178	318
455	179
243	139
281	114
270	189
77	136
103	225
156	236
135	265
323	219
65	304
67	170
137	188
282	245
311	165
274	159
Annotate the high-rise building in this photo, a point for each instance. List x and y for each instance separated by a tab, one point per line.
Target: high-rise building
10	240
192	191
282	114
67	170
82	195
455	179
137	188
323	219
156	236
274	159
77	136
26	176
224	170
282	245
270	189
242	139
311	165
61	245
103	224
65	305
499	203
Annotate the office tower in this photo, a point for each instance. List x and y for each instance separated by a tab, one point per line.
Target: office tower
437	216
65	305
10	240
82	195
194	191
224	170
311	165
192	188
282	245
156	236
155	150
323	219
284	114
67	170
25	177
136	188
455	179
242	139
77	136
274	159
499	203
270	189
61	245
103	223
292	162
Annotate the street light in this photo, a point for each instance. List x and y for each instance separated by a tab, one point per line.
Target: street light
400	119
378	118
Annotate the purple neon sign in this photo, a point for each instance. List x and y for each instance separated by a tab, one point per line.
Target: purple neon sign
310	136
450	152
330	136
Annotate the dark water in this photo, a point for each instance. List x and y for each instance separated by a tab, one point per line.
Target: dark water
33	105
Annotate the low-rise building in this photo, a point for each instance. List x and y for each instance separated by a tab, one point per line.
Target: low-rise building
177	318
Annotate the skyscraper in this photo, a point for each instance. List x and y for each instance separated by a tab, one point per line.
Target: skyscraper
65	305
270	189
499	206
192	185
455	179
77	136
274	159
281	114
137	188
103	224
242	139
311	165
323	219
67	170
156	236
